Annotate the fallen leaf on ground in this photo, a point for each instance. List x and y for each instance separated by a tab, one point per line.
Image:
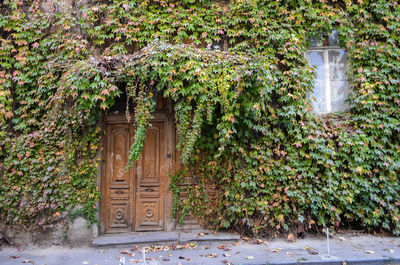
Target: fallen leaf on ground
221	246
394	242
125	252
227	249
188	259
291	238
245	238
212	255
206	247
307	248
159	248
200	234
182	257
14	257
225	261
369	251
178	246
311	251
289	253
236	244
169	255
165	259
101	251
226	255
193	245
341	238
259	241
266	249
27	261
275	250
249	257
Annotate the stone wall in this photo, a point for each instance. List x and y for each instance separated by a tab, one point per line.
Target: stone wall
73	233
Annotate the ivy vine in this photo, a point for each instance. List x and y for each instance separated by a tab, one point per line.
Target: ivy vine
245	121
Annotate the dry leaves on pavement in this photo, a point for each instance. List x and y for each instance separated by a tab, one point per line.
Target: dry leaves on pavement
291	238
311	251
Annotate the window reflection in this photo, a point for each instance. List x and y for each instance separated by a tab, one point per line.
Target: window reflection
331	87
316	60
337	65
334	38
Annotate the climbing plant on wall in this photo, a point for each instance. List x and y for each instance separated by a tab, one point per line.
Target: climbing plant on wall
244	117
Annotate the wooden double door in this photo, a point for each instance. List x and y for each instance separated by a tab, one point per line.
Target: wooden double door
137	199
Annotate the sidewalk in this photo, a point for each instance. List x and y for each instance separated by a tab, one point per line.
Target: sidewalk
345	249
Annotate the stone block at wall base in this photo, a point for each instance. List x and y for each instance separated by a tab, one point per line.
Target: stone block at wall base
75	233
79	233
30	235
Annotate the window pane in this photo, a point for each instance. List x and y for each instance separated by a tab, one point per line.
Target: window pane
337	65
334	38
318	97
338	79
316	40
316	60
339	93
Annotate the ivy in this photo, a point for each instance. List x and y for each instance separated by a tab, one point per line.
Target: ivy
246	127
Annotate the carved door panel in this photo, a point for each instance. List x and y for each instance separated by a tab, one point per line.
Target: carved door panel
119	186
134	199
150	173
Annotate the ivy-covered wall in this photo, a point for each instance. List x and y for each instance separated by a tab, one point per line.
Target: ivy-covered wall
244	118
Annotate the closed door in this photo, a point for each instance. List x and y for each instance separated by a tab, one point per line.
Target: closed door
134	199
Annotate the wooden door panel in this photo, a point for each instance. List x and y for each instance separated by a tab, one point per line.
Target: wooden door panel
119	151
149	212
148	166
149	192
119	213
134	199
118	181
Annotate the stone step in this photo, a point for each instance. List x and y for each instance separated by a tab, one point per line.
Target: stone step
163	238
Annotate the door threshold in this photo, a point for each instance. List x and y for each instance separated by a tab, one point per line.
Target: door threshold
163	238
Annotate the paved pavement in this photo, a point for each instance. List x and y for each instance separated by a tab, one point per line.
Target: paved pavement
345	249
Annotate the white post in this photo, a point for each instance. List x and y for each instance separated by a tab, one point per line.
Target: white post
144	255
327	241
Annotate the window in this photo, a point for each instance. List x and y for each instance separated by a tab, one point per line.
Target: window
331	87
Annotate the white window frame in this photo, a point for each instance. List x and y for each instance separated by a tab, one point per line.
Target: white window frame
325	50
